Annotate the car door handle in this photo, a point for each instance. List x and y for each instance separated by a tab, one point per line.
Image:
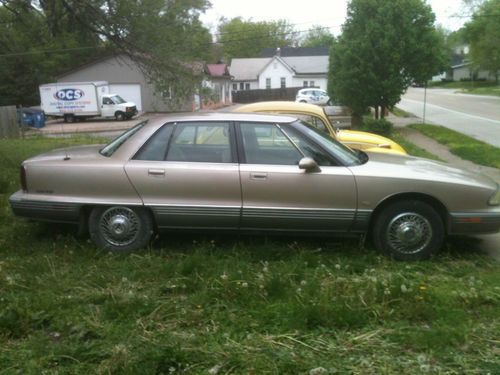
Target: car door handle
156	172
258	176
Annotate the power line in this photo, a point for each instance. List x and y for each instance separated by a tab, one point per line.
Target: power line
210	43
48	51
285	24
474	15
263	35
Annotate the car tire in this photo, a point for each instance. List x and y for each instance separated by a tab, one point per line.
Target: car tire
119	228
408	230
120	116
69	118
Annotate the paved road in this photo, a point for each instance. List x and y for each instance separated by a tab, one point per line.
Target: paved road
475	115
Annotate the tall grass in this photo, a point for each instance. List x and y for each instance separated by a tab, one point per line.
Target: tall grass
198	304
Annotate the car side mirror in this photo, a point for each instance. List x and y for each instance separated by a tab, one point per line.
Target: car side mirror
309	165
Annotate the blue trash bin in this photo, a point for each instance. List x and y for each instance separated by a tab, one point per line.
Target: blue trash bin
31	117
38	119
25	117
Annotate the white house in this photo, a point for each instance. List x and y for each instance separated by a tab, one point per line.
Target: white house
279	72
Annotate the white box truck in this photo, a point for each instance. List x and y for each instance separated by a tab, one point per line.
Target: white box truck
81	100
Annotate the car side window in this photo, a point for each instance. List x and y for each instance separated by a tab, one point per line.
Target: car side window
155	148
309	148
205	142
266	144
313	121
107	101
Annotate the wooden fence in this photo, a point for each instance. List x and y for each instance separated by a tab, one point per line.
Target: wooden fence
9	127
265	95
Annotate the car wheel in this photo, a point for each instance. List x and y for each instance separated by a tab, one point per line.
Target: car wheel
69	118
409	230
119	228
119	116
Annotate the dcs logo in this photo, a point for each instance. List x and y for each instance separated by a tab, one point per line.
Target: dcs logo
69	94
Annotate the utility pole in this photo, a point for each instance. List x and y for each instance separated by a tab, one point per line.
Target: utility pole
425	101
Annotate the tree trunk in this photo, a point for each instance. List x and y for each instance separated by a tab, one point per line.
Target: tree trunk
376	111
382	111
356	121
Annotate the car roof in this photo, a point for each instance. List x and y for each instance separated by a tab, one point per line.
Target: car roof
282	106
311	88
219	116
151	125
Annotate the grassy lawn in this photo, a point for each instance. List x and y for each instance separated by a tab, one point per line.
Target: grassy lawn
461	145
400	113
410	147
196	304
477	88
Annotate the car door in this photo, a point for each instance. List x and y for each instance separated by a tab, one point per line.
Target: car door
187	174
278	195
107	107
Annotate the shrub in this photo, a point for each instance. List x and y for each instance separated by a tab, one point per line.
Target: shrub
380	126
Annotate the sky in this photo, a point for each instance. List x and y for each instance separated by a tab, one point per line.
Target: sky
303	14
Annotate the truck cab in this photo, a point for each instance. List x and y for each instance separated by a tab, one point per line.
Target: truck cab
113	105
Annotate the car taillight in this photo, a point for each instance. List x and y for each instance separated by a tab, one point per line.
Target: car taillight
24	185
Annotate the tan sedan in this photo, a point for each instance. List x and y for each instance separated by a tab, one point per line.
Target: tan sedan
252	173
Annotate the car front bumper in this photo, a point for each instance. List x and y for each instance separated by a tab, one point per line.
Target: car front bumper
474	222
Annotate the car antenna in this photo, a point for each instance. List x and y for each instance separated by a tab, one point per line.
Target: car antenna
66	156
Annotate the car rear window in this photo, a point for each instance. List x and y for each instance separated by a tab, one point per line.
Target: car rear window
115	144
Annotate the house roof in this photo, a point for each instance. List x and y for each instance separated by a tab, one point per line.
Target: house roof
295	51
217	70
248	69
308	64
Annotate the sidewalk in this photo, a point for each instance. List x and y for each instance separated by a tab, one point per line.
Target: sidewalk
436	148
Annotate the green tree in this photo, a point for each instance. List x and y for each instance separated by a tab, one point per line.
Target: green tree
483	35
318	36
246	38
163	37
26	33
384	46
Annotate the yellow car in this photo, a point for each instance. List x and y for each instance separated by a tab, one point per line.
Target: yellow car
316	116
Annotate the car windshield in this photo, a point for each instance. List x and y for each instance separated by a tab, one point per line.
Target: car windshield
117	99
115	144
343	153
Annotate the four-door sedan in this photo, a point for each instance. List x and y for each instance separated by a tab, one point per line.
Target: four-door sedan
252	173
317	117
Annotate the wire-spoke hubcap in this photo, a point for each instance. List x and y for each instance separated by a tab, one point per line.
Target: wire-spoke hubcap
409	233
119	226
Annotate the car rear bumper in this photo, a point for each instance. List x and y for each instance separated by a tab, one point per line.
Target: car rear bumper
474	222
45	210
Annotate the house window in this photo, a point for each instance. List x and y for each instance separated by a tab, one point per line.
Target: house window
242	86
235	87
167	94
268	83
311	83
283	82
247	86
305	84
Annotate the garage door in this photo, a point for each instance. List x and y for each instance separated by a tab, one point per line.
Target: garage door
131	92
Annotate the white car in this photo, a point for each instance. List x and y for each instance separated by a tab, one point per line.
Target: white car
312	96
